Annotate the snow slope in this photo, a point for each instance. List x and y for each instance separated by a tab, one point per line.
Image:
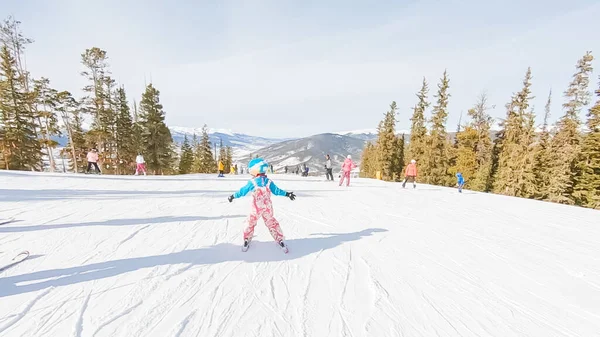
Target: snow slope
160	256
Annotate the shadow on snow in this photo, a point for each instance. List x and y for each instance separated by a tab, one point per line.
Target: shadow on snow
224	252
118	222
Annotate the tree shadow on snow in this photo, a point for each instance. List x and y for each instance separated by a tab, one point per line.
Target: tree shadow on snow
224	252
117	222
16	195
130	177
62	194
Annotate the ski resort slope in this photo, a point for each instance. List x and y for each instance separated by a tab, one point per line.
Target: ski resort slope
161	256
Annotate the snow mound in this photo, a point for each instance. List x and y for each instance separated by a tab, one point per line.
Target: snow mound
161	256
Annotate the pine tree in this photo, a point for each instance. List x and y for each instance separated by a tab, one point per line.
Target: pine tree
527	187
20	144
98	103
386	143
187	157
587	180
155	134
197	150
543	157
418	130
565	144
437	163
368	165
466	156
45	108
124	141
206	161
136	137
481	122
68	109
515	157
109	119
228	158
12	37
398	159
222	153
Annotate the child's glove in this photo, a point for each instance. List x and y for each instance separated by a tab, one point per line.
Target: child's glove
230	198
290	195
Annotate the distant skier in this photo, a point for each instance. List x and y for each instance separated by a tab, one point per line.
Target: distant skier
347	167
411	174
460	181
286	170
221	169
261	188
92	159
140	164
328	168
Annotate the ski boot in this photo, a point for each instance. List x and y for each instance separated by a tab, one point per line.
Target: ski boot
246	245
283	247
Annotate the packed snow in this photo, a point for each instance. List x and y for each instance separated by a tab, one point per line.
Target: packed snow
161	256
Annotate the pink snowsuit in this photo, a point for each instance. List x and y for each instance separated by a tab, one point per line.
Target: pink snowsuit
262	207
347	166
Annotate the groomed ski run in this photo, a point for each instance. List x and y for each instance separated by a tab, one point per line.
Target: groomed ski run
161	256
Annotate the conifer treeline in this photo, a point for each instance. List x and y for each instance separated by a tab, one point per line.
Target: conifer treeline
560	163
32	114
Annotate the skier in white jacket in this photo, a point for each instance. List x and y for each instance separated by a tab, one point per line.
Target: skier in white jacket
141	164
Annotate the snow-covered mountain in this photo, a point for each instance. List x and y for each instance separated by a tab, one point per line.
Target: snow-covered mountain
161	256
311	151
241	143
365	134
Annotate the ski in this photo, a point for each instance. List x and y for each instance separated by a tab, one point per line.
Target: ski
15	260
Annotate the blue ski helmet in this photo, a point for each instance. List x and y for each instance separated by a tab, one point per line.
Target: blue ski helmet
258	166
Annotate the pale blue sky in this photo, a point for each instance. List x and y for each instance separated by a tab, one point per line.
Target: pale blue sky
296	68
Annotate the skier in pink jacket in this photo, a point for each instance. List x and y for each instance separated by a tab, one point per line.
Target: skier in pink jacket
92	159
347	167
411	174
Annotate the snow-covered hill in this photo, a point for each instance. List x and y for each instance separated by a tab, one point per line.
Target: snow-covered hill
160	256
310	151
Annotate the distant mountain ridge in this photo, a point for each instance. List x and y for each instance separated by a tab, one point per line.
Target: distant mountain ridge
241	143
310	151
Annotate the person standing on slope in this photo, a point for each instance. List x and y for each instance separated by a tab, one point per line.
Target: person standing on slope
261	188
411	174
140	164
347	167
328	168
460	182
92	159
221	169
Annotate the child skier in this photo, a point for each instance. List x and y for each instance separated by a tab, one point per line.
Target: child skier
411	174
347	167
261	188
460	182
140	164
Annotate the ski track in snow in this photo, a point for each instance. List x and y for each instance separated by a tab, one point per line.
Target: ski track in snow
161	256
79	324
24	312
